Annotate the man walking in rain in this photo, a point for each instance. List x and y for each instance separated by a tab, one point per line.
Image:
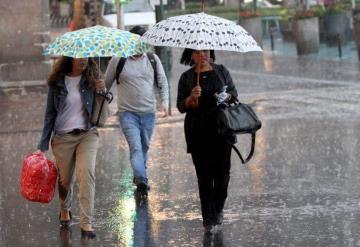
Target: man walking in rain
138	77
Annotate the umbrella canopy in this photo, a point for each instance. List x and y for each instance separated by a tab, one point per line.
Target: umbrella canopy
97	41
201	32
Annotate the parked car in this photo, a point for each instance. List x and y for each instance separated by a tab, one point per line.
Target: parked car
136	12
260	4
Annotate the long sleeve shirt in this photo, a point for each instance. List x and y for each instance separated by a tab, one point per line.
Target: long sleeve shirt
136	88
200	123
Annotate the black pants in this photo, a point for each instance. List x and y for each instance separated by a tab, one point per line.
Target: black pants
212	166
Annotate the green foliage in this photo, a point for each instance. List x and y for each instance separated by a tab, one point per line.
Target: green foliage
304	14
314	11
334	9
121	1
318	10
246	14
285	13
356	18
230	13
193	5
220	10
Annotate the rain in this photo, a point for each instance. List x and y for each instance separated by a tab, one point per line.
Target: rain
300	188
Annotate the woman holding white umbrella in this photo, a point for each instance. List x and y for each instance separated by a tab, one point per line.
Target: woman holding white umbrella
210	151
201	34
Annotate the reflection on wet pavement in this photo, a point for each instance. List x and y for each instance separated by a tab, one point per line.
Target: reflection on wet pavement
300	189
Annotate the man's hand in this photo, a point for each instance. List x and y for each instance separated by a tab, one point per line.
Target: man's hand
163	112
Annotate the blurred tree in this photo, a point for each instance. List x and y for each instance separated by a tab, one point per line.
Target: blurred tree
175	4
120	13
94	12
290	3
79	14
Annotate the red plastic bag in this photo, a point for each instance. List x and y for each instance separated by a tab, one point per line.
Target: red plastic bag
38	178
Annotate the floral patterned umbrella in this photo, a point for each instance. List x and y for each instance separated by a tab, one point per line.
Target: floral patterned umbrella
97	41
201	32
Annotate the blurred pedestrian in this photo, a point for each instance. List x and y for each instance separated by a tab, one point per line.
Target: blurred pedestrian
75	140
210	151
71	25
140	78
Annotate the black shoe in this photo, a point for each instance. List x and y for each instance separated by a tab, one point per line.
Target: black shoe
88	234
209	229
219	218
142	189
65	236
65	223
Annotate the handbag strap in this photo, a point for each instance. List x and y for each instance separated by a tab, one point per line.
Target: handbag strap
108	96
253	136
100	111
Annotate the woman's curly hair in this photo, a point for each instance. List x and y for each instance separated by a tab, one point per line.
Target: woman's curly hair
63	66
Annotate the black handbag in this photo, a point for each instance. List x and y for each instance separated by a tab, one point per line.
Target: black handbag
238	118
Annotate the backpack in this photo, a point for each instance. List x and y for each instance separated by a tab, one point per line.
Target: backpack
152	60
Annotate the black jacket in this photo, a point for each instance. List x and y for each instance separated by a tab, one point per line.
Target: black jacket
200	125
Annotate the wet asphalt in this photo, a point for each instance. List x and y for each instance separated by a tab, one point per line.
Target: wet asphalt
300	189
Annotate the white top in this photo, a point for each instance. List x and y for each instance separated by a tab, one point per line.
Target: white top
73	114
136	91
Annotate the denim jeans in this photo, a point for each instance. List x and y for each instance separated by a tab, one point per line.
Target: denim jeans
138	128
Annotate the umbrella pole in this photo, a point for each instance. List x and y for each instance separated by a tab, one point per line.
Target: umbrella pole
202	6
99	75
99	68
197	83
198	75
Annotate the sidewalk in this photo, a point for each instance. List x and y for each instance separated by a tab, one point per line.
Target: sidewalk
349	50
300	189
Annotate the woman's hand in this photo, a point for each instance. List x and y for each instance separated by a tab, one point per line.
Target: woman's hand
195	93
100	85
42	152
193	100
223	98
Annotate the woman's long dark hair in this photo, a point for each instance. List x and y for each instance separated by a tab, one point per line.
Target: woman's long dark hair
63	66
186	57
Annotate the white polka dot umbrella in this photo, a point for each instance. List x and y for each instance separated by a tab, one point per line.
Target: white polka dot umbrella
201	32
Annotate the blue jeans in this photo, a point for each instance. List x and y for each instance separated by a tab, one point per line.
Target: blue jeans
138	128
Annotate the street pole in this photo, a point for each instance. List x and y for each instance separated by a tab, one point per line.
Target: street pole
120	16
163	51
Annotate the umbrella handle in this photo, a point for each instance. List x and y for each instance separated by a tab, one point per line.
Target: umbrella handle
99	68
196	103
99	73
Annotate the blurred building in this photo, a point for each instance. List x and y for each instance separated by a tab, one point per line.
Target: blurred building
24	29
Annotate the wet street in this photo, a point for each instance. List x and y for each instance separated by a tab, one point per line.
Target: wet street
301	188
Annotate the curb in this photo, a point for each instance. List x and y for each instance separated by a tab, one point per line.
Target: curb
21	84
